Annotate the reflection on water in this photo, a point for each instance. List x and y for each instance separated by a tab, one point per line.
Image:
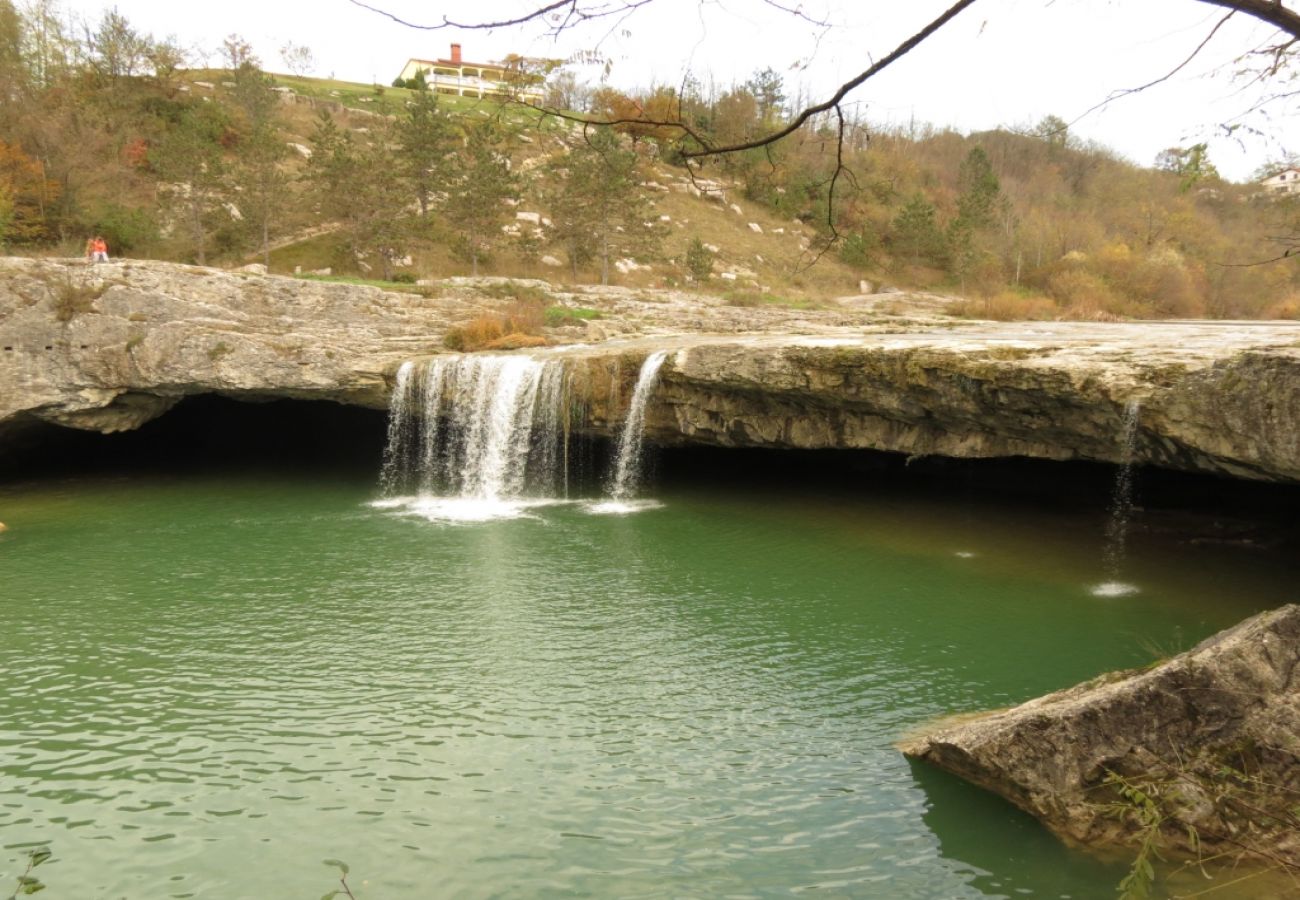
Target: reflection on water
211	686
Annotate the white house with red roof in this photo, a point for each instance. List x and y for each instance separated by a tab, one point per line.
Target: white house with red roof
455	75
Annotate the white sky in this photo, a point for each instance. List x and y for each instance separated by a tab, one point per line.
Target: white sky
1001	62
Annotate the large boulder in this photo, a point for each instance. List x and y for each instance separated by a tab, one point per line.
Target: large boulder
1200	753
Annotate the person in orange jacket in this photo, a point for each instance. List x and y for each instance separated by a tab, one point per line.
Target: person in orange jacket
98	249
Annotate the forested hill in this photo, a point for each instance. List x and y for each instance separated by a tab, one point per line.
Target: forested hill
108	132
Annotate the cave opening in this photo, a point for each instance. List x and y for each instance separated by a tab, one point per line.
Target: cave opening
213	435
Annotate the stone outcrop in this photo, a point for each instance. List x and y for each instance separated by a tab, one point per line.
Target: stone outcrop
109	347
1204	404
1211	739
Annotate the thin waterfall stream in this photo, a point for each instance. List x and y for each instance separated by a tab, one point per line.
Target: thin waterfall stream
1114	547
627	464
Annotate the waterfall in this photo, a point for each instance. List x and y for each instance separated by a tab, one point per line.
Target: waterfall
1121	508
627	464
474	428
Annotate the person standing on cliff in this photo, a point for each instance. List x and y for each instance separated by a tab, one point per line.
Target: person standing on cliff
99	249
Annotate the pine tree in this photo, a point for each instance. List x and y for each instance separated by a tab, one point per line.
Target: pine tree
477	191
977	208
914	232
597	204
360	186
258	173
189	162
427	140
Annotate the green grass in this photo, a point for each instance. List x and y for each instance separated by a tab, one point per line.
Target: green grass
758	298
568	315
395	286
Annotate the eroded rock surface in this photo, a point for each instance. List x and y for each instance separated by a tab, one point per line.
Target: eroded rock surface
108	347
1211	737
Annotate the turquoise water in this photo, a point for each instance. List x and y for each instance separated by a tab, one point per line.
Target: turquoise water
214	684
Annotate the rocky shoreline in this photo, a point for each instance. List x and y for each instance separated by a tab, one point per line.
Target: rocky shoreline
109	347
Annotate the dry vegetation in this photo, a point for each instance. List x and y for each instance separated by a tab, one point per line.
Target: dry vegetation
1024	223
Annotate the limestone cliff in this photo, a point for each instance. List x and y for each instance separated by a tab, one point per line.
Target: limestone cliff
109	347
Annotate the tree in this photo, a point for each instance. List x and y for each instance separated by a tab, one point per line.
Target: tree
915	233
48	47
25	196
1191	164
477	190
190	164
428	140
117	50
361	187
597	205
976	209
235	52
298	59
13	68
258	174
767	87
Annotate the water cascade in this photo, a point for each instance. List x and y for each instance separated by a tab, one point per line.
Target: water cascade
627	464
484	430
1121	509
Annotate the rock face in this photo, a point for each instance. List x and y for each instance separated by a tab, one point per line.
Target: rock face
1204	405
1211	738
109	347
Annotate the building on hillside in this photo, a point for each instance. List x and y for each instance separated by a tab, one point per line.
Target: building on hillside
1286	181
471	79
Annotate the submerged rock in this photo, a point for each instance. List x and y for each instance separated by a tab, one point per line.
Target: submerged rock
1201	752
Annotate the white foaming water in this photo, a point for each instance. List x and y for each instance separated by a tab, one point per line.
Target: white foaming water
1114	589
627	466
467	436
620	507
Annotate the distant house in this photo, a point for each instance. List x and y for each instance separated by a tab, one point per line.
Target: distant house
1285	182
471	79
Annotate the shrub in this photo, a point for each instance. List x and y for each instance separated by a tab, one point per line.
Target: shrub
699	260
1007	306
403	278
1082	294
72	299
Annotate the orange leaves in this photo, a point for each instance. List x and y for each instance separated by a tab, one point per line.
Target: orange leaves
25	195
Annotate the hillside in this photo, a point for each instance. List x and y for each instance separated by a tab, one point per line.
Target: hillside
314	176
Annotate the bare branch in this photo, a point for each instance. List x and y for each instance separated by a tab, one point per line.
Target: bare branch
574	14
1270	11
1116	95
852	84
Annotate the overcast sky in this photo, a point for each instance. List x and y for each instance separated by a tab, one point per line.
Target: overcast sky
1002	62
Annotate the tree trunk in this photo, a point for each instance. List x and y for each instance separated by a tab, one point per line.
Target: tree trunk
266	242
604	260
473	260
197	212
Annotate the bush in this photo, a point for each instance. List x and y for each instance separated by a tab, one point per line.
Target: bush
859	249
72	299
1007	306
125	228
505	330
403	278
699	260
